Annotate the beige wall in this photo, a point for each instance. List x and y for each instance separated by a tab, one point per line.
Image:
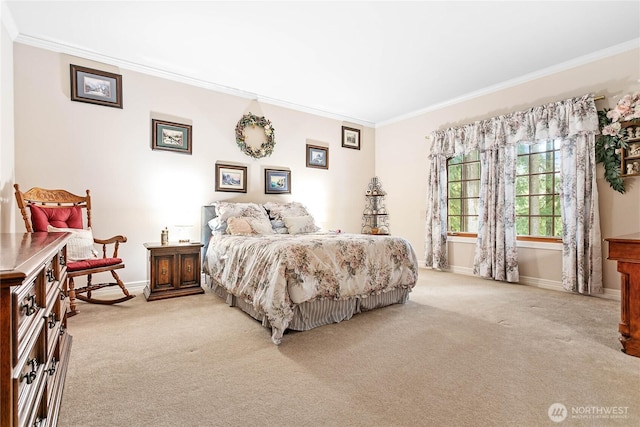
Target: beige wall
401	161
136	191
6	131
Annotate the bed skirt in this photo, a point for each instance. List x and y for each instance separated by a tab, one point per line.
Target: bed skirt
311	314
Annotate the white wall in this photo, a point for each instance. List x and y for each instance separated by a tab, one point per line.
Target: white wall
401	161
137	191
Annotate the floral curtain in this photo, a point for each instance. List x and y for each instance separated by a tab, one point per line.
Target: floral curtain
573	120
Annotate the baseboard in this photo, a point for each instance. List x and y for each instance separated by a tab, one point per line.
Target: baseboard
612	294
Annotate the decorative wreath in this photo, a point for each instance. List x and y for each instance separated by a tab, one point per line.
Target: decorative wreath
267	147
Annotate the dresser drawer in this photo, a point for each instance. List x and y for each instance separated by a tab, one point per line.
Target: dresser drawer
27	311
31	376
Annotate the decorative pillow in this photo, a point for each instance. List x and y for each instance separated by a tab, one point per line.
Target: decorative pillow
300	224
41	217
226	210
278	211
80	245
239	226
259	226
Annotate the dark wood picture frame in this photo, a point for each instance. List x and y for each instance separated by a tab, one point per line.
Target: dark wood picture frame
170	136
277	181
350	137
231	178
95	86
317	156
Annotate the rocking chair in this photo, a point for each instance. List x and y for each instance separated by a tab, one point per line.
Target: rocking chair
59	210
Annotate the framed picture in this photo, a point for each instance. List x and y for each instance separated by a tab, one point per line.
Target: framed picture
96	87
231	178
170	136
277	181
350	137
317	157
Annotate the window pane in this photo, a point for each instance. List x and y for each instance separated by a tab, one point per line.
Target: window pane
454	223
556	205
522	165
523	149
522	205
522	226
454	207
558	227
472	157
454	160
556	188
471	206
542	162
455	172
472	189
542	146
541	205
542	184
471	223
472	171
455	189
522	185
541	226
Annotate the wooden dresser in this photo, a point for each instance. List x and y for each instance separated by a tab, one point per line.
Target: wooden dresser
34	343
626	250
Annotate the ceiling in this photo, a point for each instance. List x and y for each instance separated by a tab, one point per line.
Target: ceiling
369	62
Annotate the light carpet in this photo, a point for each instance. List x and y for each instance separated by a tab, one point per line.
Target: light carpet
462	352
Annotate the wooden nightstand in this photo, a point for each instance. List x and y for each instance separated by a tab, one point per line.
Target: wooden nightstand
173	270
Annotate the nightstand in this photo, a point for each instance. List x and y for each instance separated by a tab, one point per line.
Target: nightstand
173	270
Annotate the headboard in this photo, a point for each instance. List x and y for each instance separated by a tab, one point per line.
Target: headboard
208	213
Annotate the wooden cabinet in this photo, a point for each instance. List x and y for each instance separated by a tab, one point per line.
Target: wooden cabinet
375	219
173	270
630	156
35	345
626	250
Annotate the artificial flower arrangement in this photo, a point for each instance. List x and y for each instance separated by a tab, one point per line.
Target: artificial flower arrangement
611	141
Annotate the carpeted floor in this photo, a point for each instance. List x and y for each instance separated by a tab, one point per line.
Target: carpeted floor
462	352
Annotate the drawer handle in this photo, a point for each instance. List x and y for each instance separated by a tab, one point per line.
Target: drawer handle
62	294
188	268
62	260
52	320
163	272
50	276
63	329
30	307
52	369
32	375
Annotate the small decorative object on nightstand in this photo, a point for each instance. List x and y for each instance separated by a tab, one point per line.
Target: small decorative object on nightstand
375	219
174	270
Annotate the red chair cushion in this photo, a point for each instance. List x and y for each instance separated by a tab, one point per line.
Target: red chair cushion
70	217
92	263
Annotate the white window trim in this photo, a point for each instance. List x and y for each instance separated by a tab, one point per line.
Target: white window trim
557	246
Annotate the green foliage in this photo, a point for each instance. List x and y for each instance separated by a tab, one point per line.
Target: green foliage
608	150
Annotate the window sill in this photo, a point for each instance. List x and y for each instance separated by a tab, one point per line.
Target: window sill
521	243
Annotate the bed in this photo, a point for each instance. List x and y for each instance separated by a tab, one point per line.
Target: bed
272	261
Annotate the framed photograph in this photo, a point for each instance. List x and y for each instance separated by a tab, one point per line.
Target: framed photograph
170	136
350	137
277	181
96	87
317	157
231	178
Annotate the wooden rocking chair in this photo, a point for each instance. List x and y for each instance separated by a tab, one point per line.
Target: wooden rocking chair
60	209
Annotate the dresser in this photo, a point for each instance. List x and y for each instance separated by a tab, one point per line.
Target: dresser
34	343
626	250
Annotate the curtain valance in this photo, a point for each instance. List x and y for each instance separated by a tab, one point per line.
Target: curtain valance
561	119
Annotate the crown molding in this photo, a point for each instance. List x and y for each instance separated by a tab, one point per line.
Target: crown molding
592	57
177	77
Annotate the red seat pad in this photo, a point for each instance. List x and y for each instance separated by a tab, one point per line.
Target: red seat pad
92	263
70	217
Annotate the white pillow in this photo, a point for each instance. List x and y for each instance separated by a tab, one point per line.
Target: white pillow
259	226
80	245
300	224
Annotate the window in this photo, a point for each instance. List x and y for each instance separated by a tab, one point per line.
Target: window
537	191
463	177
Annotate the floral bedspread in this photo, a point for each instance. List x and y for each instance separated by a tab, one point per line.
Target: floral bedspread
275	272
